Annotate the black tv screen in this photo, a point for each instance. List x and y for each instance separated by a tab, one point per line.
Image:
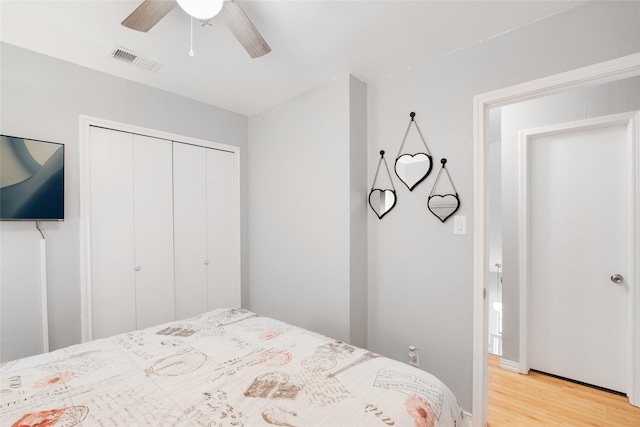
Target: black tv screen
31	180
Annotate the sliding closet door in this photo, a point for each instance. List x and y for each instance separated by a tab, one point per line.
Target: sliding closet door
153	206
131	242
205	229
222	229
190	225
113	296
164	232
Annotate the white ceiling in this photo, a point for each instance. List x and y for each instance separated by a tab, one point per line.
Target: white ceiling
312	41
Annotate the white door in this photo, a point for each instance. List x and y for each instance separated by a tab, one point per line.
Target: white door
153	200
131	232
190	229
222	229
112	233
578	219
206	229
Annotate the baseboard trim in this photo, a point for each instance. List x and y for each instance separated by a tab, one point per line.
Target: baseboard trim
468	419
510	365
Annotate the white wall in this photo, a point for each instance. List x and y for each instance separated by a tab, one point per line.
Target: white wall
20	303
420	274
42	98
358	271
306	218
606	99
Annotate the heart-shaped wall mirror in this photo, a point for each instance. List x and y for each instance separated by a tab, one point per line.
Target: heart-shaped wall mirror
382	201
446	204
412	169
443	206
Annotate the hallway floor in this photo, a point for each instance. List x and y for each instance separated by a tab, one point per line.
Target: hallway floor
540	400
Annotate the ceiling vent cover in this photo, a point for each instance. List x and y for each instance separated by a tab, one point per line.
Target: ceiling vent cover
135	59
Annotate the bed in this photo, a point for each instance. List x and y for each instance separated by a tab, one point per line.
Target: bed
228	367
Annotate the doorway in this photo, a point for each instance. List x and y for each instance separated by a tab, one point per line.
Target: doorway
593	75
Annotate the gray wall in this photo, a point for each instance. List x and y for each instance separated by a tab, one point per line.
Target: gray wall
606	99
358	271
42	98
307	172
420	274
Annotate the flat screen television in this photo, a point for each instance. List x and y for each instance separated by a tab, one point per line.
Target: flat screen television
31	180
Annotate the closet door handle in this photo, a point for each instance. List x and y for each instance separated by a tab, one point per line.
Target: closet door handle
206	262
138	268
617	278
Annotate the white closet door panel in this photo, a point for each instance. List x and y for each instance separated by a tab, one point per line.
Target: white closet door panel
112	225
222	229
190	225
153	200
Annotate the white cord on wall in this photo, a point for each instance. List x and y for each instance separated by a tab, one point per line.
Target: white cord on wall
43	292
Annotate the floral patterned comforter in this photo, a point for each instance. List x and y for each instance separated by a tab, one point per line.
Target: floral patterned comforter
228	367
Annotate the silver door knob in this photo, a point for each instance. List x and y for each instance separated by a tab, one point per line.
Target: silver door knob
138	268
617	278
206	262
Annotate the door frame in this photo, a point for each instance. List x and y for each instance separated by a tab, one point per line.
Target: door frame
630	120
616	69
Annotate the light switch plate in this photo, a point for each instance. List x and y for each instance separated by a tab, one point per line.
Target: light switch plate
460	224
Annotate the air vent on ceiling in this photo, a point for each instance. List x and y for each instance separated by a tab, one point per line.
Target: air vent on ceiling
135	59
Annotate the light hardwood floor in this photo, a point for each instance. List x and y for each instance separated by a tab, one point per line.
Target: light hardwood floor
540	400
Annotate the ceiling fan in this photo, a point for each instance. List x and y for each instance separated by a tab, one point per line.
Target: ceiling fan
150	12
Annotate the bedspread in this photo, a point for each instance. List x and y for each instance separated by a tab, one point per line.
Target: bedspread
228	367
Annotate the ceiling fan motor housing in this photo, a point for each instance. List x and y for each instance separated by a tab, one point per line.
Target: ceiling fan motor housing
201	9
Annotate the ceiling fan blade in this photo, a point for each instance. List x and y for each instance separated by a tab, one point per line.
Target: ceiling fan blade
243	29
148	14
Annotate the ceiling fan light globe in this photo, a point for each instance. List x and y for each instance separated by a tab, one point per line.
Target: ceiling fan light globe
201	9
